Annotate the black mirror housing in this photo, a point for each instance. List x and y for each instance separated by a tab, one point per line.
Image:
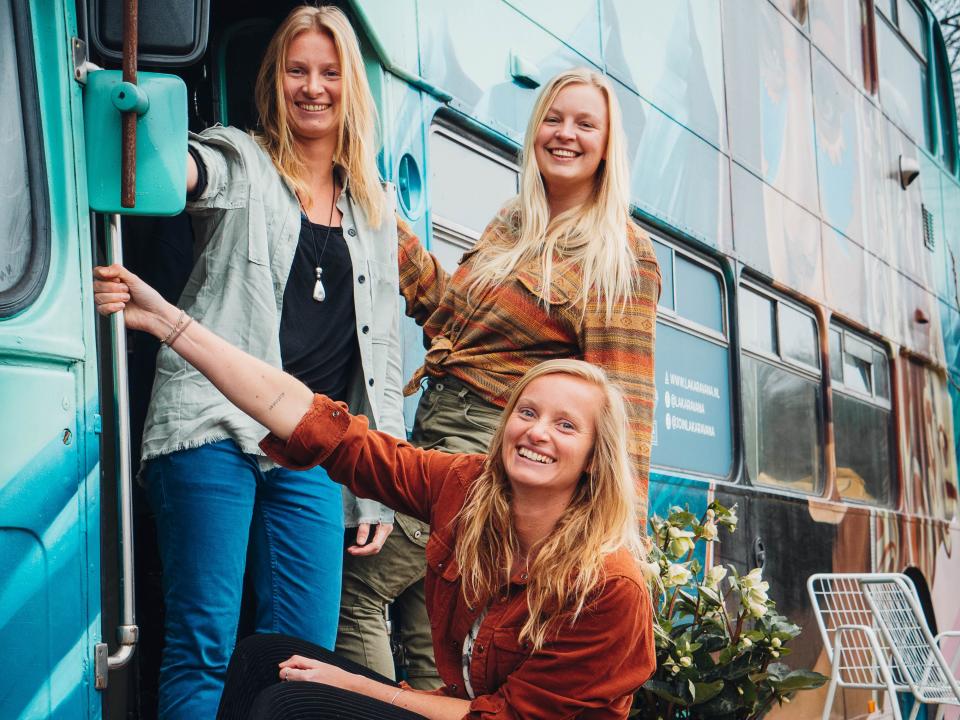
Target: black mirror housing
173	33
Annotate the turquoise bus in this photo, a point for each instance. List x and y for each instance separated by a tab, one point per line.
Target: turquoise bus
796	162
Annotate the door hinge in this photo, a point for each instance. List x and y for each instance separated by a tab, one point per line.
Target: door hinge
81	65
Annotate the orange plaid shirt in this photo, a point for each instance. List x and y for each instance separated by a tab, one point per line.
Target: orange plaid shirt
489	345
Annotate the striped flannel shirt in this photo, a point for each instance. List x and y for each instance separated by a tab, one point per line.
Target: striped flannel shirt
508	329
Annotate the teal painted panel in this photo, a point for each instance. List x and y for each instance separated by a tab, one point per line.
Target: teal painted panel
674	175
671	54
468	49
770	99
776	236
575	22
161	171
838	149
843	275
392	25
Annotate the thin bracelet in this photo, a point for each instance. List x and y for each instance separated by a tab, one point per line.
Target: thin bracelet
400	692
178	333
166	340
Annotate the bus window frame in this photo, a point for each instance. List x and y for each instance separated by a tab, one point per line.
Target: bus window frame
840	387
806	372
671	318
452	231
22	295
671	315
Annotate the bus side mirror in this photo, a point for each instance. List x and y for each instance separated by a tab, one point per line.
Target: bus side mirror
172	33
161	103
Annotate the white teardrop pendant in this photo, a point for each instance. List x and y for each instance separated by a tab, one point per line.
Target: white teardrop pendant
319	294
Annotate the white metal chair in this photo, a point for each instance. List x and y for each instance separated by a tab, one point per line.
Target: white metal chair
877	638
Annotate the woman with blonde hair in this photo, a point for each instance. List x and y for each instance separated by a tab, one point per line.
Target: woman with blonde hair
561	272
536	598
296	264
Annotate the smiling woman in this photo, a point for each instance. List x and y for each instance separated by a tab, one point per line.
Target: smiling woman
213	493
537	604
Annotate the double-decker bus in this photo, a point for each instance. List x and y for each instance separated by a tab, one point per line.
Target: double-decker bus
795	161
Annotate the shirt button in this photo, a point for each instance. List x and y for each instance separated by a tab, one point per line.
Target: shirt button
362	279
454	686
365	329
351	232
370	382
417	533
439	566
523	576
479	648
335	413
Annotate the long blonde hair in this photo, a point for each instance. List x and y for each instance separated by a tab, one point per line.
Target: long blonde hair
355	151
601	518
594	235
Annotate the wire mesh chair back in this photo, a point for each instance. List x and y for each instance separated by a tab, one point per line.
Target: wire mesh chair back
876	637
849	630
918	662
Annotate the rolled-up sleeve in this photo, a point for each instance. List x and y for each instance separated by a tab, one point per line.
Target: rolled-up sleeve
598	663
372	464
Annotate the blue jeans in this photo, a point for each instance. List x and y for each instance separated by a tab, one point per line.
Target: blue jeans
210	503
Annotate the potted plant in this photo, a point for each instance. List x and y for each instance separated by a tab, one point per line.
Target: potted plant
718	636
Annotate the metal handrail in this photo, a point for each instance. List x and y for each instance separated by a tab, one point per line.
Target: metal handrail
127	631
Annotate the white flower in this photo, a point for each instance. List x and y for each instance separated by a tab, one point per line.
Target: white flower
677	575
746	643
714	576
651	571
675	669
775	642
686	661
756	609
774	653
681	541
709	531
752	578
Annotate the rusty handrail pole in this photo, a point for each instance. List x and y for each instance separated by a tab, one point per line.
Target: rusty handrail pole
128	152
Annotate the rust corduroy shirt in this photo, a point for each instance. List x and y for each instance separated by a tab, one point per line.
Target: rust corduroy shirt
589	671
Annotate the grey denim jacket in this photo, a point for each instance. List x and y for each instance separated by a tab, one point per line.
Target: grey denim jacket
247	225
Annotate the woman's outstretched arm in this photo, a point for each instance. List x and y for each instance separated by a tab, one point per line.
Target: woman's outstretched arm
267	394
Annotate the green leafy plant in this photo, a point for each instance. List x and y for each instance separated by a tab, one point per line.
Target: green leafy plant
718	636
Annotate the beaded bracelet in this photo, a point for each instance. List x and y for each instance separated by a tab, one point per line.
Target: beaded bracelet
400	692
173	329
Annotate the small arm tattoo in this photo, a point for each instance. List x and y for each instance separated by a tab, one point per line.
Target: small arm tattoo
274	403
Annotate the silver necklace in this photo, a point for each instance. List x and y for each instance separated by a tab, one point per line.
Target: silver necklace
319	293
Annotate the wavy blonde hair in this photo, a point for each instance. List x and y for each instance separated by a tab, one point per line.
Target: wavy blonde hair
355	151
593	235
601	518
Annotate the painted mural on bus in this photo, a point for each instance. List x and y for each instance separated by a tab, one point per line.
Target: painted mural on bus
796	164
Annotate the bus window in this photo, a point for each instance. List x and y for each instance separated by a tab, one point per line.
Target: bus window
461	210
901	45
782	413
862	419
692	426
23	252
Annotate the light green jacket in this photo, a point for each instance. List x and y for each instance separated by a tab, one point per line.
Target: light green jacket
247	225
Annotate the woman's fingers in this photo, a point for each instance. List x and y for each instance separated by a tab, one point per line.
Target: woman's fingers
298	661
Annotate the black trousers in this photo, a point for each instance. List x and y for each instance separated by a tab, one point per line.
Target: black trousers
254	691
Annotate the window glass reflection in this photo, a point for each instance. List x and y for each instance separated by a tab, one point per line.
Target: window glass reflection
757	322
781	421
699	296
16	233
836	357
798	336
665	261
862	441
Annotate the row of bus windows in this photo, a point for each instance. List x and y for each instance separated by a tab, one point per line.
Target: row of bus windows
782	399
